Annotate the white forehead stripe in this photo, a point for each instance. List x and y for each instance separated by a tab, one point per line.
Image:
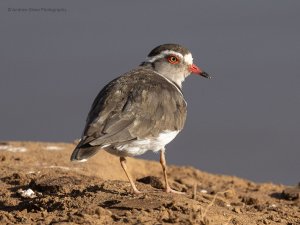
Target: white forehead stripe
163	54
187	58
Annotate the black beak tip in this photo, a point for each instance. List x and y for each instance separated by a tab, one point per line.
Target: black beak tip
206	75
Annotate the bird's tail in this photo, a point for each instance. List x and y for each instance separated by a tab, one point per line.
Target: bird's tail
82	152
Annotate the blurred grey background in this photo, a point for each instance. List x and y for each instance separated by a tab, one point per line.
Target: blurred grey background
244	122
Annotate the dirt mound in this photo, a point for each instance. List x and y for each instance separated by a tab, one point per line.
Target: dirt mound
39	185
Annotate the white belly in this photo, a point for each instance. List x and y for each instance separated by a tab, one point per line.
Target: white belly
140	146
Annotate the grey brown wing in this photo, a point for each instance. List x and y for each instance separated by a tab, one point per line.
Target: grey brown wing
127	111
104	124
147	111
105	121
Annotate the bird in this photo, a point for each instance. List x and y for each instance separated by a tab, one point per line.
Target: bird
141	110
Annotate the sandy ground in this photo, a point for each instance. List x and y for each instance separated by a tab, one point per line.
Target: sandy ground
39	185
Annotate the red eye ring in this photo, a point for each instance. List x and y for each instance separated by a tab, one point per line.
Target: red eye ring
173	59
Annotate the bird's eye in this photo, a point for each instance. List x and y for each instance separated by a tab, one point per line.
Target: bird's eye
173	59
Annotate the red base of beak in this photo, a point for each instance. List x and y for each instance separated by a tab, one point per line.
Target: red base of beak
196	70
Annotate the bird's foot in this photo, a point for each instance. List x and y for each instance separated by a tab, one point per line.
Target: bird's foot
170	190
137	192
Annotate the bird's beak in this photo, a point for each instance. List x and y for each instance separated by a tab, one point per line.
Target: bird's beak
196	70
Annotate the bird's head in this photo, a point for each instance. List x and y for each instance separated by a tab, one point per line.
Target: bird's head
174	62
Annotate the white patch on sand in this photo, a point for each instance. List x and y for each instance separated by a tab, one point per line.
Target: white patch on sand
33	172
83	160
10	148
27	193
204	191
79	161
53	148
58	167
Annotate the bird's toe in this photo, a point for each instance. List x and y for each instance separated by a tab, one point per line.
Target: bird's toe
170	190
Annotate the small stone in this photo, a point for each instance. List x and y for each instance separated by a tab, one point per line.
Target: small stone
265	221
128	214
135	211
229	194
259	207
101	211
291	193
234	221
149	210
250	201
44	213
153	181
237	210
164	215
271	217
98	211
29	193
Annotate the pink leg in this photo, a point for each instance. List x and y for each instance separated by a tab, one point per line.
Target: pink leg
123	164
163	163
